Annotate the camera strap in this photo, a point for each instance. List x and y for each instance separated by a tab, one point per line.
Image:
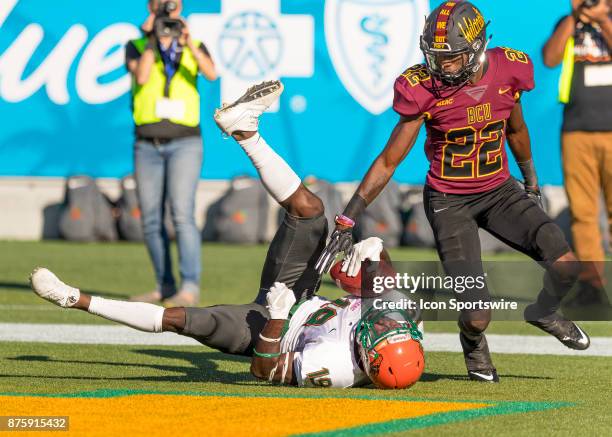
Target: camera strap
170	58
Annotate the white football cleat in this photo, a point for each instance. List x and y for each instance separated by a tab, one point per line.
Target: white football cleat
243	114
49	287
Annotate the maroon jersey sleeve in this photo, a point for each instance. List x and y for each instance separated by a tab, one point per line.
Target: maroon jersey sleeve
409	99
403	101
518	68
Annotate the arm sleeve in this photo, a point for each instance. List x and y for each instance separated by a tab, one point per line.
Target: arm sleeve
404	102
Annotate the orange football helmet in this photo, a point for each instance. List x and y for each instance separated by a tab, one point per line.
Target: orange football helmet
389	344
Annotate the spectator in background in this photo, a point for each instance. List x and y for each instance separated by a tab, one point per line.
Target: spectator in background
582	42
164	64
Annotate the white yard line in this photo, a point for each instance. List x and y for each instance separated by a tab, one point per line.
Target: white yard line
103	334
88	334
519	344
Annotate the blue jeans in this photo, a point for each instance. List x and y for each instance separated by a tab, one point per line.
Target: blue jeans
168	175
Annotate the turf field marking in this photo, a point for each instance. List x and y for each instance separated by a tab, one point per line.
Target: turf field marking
400	425
88	334
520	344
121	411
434	342
379	395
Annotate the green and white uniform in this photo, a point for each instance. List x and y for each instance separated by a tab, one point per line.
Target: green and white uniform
321	335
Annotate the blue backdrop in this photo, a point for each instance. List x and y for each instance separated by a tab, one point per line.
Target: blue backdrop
64	93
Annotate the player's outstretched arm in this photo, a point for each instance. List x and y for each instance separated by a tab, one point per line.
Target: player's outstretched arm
520	145
398	146
268	362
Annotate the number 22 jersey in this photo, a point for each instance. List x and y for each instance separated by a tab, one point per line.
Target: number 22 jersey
466	130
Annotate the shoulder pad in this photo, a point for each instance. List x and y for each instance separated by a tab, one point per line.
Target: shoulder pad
415	75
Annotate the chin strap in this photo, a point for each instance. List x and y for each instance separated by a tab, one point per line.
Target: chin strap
437	89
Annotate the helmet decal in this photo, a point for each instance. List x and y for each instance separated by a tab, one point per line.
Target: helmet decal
440	40
471	28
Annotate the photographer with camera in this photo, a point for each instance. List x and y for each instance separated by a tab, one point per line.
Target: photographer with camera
582	42
164	64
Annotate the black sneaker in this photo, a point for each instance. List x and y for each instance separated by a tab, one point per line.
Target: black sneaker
483	375
564	330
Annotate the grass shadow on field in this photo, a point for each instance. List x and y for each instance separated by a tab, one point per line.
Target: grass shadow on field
25	287
21	286
203	368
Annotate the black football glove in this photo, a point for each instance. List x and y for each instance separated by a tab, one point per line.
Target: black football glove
534	194
341	241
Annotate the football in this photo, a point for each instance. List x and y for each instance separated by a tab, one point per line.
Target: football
354	285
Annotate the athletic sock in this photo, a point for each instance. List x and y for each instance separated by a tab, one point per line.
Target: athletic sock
138	315
279	179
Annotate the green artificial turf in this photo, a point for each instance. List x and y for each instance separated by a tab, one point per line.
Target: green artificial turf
579	387
581	383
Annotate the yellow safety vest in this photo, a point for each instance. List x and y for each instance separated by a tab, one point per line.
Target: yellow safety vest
567	72
183	86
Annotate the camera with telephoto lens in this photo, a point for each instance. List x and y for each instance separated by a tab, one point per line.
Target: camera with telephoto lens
166	26
590	3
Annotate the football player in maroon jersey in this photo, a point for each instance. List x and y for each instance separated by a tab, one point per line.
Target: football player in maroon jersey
468	98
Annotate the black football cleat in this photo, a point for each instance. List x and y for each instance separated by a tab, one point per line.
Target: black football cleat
564	330
483	375
477	356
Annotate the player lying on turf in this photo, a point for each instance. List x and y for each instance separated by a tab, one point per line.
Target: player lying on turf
468	98
314	342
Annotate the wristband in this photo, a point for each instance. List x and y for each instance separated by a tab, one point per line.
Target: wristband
270	340
264	355
528	171
343	220
355	207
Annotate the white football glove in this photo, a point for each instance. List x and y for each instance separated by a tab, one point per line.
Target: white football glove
280	299
366	249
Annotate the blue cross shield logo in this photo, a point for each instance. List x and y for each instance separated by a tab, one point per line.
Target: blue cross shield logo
371	42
